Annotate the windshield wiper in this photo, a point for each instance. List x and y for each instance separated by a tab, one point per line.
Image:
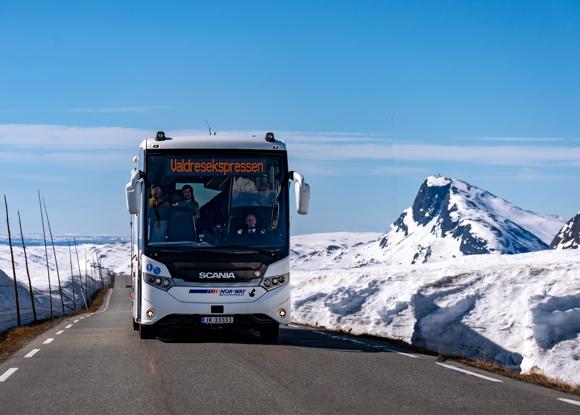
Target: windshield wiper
260	251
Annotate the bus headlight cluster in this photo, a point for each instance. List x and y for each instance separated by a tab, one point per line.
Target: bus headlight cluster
274	282
163	283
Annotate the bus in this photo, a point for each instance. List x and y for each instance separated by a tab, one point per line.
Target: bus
210	233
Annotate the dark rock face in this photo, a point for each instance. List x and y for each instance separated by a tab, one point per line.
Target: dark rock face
428	202
569	235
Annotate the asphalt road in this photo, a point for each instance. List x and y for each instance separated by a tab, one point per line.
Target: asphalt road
97	364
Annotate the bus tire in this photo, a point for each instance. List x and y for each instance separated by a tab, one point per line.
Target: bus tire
135	325
147	332
270	333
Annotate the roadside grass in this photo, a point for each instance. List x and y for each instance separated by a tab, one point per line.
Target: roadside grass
13	339
536	376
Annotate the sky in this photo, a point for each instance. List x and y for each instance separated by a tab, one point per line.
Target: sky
370	97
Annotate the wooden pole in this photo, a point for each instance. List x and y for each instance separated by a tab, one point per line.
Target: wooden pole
72	278
27	271
89	290
46	253
13	266
81	276
55	261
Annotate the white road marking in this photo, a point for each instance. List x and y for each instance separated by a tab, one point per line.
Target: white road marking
32	353
8	373
570	401
69	326
404	354
468	372
48	341
60	332
82	318
76	321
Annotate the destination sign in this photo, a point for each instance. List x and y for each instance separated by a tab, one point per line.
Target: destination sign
214	166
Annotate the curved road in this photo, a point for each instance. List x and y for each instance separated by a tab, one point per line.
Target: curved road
97	364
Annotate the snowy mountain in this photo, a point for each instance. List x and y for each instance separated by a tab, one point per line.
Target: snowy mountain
451	218
569	235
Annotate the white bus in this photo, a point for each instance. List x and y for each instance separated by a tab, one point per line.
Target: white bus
210	233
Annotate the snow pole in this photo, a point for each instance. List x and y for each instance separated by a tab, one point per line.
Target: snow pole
13	267
72	278
55	261
46	253
81	276
27	271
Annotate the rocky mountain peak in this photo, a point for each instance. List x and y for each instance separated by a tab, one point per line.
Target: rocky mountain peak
452	218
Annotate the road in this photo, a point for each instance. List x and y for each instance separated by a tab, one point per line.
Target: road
97	364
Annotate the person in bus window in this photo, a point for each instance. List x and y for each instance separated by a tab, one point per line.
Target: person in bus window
250	228
189	201
157	200
265	196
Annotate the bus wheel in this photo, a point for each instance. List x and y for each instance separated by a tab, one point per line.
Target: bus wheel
147	332
269	333
135	325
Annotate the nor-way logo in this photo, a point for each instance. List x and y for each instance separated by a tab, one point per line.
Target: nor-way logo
224	292
216	275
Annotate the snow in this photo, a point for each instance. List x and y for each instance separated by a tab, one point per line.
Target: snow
522	310
114	257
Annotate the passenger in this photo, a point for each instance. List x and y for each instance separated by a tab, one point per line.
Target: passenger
265	196
189	201
157	199
251	226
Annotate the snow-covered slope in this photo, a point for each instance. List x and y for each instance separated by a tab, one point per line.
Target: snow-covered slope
451	218
113	256
569	235
522	310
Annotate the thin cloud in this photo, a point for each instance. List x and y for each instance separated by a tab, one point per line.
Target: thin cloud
60	137
119	109
305	146
500	155
518	139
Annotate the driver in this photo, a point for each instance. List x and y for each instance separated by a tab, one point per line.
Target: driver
251	223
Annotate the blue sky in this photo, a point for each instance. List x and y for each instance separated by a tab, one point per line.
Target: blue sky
371	98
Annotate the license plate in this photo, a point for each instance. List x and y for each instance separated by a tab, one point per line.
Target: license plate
217	320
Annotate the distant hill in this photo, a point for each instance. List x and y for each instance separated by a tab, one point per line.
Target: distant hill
448	219
34	239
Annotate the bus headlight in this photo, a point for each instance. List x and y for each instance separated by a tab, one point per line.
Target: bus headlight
163	283
274	282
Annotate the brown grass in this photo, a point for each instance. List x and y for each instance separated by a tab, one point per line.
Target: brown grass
536	377
13	339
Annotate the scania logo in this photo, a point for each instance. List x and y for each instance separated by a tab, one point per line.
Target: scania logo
216	275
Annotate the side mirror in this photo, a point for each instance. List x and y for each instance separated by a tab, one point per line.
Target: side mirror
302	190
302	198
133	193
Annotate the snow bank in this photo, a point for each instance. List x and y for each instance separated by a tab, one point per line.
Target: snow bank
521	310
114	257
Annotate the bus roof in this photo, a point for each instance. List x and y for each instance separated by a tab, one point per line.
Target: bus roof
216	142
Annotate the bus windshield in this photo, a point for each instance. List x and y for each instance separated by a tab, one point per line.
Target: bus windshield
206	201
